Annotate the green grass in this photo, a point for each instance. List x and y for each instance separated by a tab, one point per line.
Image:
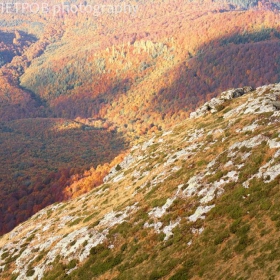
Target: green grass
75	222
158	202
87	219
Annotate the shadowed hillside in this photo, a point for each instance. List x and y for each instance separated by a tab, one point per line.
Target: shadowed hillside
41	157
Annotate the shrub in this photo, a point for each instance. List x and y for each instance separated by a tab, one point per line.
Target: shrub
4	255
97	249
118	167
30	272
235	225
14	276
182	274
124	247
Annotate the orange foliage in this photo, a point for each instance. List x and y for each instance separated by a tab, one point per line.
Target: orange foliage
89	179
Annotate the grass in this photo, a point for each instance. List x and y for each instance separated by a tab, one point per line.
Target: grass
30	238
242	231
75	222
123	229
72	264
90	217
158	202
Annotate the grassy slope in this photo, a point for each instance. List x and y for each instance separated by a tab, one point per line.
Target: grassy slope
240	235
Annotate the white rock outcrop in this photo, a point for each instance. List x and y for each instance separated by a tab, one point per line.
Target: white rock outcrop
212	105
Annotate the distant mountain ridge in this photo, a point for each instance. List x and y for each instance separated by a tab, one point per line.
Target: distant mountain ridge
247	4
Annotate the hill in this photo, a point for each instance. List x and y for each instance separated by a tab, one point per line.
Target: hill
119	76
199	201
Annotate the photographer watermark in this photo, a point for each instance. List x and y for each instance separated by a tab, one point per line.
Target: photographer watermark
61	9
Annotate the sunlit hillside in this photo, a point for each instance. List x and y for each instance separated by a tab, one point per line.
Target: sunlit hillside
118	78
199	201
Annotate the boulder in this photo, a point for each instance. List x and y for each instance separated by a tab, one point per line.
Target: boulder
214	103
234	93
276	105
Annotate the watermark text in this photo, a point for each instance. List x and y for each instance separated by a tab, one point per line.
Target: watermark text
61	9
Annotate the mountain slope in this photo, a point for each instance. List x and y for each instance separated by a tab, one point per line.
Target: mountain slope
200	201
132	73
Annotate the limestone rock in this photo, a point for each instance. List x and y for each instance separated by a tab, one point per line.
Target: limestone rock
213	105
234	93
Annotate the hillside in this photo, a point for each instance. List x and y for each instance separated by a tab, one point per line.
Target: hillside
199	201
119	76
